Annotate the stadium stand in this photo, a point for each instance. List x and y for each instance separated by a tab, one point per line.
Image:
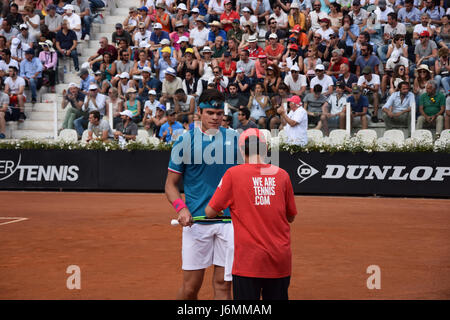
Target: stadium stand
305	38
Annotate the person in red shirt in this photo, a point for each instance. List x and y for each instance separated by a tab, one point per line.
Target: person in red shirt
274	51
227	17
261	202
228	66
253	49
335	62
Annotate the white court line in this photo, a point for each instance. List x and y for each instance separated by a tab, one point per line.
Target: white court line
12	218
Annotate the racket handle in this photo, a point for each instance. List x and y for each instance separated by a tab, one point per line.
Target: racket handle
174	222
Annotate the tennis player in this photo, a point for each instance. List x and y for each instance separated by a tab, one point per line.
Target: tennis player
262	205
200	157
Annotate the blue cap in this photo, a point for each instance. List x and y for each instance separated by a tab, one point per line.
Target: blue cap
162	107
143	8
30	51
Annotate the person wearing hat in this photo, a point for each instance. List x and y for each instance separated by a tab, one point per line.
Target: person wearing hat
325	29
8	31
227	17
249	18
253	48
75	98
121	34
154	121
142	35
274	51
180	17
215	31
126	129
369	83
235	32
323	79
31	71
85	16
203	245
49	59
133	104
66	44
267	271
163	61
73	19
295	81
179	35
25	36
359	105
198	37
171	129
186	60
14	87
432	106
333	110
426	51
150	103
94	101
295	122
98	126
131	21
158	35
147	84
170	84
162	17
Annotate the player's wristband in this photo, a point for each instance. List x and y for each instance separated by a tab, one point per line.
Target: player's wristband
178	205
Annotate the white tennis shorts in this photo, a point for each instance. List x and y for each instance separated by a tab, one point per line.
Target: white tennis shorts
207	244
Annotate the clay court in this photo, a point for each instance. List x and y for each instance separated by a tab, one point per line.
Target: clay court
127	249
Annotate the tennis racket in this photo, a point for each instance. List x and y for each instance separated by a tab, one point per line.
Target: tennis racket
175	222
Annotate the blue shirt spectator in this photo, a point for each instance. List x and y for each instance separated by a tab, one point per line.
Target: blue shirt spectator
29	68
202	8
212	35
413	15
84	85
177	129
353	29
397	103
157	39
358	106
163	65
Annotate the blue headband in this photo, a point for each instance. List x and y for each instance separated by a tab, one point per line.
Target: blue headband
213	104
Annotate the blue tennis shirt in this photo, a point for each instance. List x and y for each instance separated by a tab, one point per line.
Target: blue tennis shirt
202	160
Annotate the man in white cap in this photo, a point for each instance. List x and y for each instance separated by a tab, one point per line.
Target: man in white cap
295	122
25	37
75	98
73	19
170	84
94	101
126	129
323	79
295	81
98	126
151	103
198	37
157	35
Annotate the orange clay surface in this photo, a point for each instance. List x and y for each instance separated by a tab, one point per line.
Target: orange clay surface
127	249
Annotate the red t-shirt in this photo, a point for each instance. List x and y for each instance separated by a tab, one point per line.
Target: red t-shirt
258	204
230	17
254	53
227	72
111	49
271	52
337	66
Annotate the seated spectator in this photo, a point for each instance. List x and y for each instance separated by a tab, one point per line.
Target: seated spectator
333	110
31	71
273	29
18	50
281	19
246	64
162	64
228	66
325	30
324	80
367	59
249	18
313	103
49	60
369	83
219	80
442	71
397	77
394	63
358	14
258	103
73	19
235	33
124	84
253	49
124	64
171	129
409	15
108	68
142	35
274	51
6	113
398	45
348	33
244	119
86	80
435	11
75	98
126	129
120	34
25	36
116	104
243	82
14	16
170	84
15	87
218	48
420	80
93	101
146	84
311	62
198	37
335	16
443	32
53	20
191	85
154	122
272	80
85	16
295	122
184	106
32	20
151	103
141	63
8	31
261	65
431	108
102	84
131	21
424	25
336	61
426	51
66	44
396	111
295	81
180	17
234	101
99	127
5	63
95	61
133	104
291	58
313	17
162	17
359	105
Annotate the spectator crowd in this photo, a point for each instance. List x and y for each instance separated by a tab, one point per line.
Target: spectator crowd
279	64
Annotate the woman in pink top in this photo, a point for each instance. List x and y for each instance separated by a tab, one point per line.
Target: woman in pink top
48	58
177	34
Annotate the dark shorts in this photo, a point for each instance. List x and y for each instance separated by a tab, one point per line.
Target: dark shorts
313	119
246	288
12	114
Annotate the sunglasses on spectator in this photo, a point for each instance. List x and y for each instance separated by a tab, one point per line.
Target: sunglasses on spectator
294	71
317	37
421	37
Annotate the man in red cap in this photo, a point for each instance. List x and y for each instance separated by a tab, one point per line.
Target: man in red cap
296	121
426	50
262	205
